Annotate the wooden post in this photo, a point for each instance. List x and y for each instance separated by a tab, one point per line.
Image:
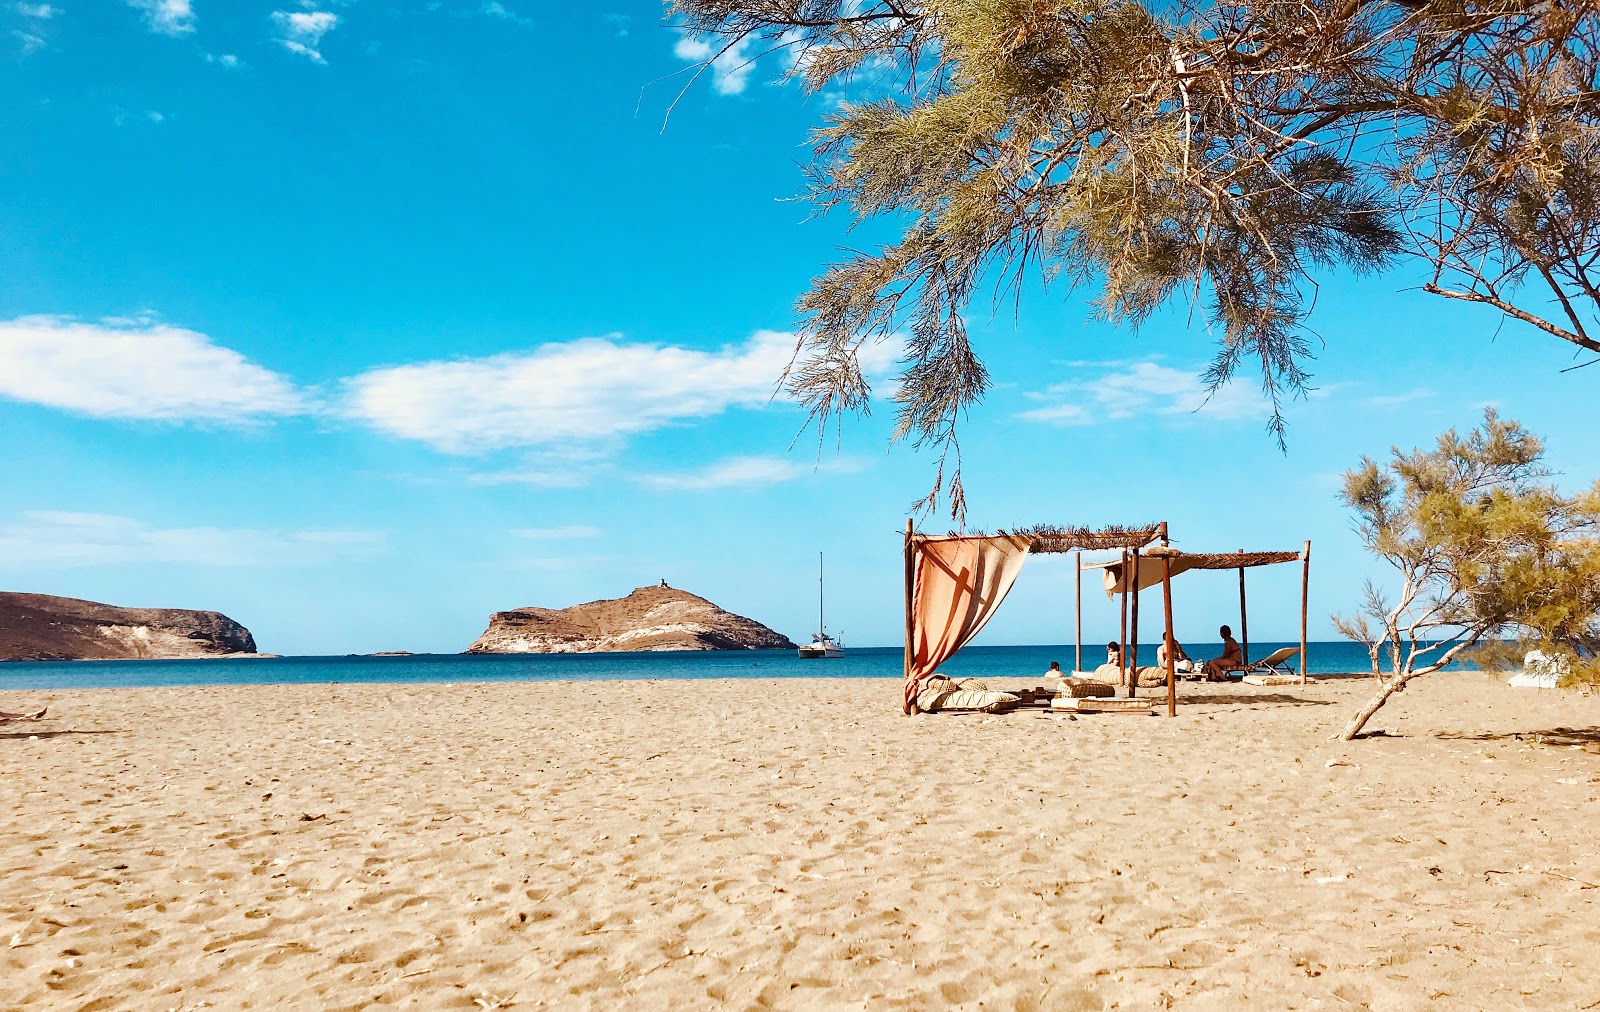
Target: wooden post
911	576
1244	620
1166	604
1133	633
1166	607
1122	644
1305	606
1077	665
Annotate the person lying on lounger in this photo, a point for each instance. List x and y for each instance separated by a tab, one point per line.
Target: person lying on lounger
1232	658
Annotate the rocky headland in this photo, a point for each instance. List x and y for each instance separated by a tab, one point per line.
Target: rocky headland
650	618
38	627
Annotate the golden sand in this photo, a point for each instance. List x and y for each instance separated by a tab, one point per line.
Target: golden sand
795	844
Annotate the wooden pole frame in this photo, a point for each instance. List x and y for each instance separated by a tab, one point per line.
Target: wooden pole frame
911	577
1166	608
1077	664
1305	606
1122	642
1133	631
1244	620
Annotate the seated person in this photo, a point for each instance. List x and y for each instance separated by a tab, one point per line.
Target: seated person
1111	670
1232	658
1181	663
1055	670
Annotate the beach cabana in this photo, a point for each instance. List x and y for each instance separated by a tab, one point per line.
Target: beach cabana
954	584
1133	573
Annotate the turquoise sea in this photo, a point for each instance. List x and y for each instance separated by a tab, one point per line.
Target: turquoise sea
858	662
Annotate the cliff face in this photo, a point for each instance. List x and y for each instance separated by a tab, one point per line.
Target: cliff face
37	627
650	618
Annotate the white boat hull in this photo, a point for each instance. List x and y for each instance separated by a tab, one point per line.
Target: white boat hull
818	651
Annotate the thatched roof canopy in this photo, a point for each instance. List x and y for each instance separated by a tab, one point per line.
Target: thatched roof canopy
1048	538
1148	569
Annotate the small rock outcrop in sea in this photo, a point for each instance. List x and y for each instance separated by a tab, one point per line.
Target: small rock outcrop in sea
38	627
650	618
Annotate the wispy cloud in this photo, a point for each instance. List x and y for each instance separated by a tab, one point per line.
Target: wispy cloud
44	538
495	9
44	12
585	391
28	43
225	59
1399	399
747	472
136	369
302	31
621	22
566	533
730	67
1144	388
166	17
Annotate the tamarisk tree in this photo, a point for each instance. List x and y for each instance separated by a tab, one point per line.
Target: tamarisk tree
1218	153
1480	546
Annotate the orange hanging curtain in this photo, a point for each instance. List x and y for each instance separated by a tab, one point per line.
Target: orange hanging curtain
960	583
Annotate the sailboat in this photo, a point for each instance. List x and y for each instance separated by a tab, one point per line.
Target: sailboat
821	645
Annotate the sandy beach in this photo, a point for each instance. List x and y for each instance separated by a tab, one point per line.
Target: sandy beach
796	844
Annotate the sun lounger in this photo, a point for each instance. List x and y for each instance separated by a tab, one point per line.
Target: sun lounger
1275	663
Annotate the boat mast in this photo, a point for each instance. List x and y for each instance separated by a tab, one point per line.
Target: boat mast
822	630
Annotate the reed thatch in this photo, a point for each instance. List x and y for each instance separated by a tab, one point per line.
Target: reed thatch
1049	538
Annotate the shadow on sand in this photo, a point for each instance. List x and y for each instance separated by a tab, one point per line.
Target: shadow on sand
50	734
1550	736
1255	699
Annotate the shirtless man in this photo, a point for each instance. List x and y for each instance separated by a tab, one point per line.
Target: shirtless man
1180	660
1232	658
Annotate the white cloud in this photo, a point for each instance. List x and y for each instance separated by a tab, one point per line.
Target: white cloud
166	17
730	68
30	43
498	10
584	391
43	12
744	472
303	31
1144	388
135	369
1399	399
566	533
44	538
225	59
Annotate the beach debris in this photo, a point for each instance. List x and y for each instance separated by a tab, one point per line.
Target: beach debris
490	1001
1336	762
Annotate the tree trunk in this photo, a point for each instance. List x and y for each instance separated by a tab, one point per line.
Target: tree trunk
1374	705
1390	688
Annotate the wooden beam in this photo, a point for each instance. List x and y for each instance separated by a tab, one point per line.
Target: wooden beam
1244	619
1122	644
1305	606
1133	633
1078	664
1166	607
911	577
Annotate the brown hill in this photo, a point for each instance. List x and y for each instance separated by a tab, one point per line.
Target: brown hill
650	618
38	627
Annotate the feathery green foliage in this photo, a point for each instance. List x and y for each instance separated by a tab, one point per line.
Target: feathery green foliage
1481	547
1219	153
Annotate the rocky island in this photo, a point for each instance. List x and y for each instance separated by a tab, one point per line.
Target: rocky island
650	618
38	627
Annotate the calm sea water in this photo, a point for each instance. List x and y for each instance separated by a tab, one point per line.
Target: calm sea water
858	662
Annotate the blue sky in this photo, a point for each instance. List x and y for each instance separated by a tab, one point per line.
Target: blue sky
358	321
